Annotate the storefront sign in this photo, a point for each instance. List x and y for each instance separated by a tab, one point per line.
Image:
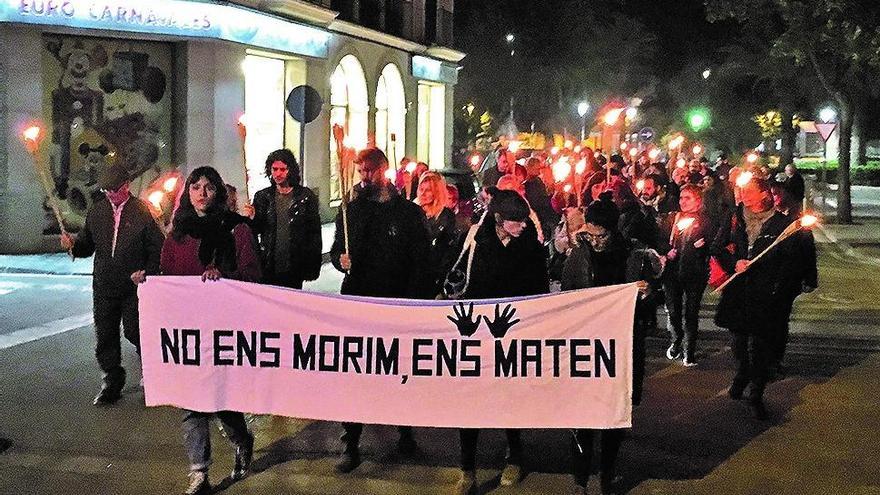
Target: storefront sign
556	361
172	17
433	70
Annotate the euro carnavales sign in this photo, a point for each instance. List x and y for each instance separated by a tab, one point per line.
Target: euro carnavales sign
180	18
555	361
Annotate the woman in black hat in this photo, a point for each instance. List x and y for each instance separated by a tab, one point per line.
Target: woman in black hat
509	261
602	256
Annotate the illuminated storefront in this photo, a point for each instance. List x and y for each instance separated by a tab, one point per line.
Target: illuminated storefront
163	85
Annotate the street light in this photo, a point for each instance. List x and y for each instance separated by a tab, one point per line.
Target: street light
828	115
583	108
510	37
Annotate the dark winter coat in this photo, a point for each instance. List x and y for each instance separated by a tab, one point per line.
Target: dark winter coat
634	224
389	248
691	263
538	198
759	300
632	262
305	232
517	269
443	238
138	246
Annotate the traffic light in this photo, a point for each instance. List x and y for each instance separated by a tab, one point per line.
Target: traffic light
698	119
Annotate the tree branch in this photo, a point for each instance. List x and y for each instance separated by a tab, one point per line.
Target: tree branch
814	61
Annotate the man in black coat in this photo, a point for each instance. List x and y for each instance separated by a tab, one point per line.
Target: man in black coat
285	219
756	307
387	248
126	241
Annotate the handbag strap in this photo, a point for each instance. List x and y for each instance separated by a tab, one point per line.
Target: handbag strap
470	246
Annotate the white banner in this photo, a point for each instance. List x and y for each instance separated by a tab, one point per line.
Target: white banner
555	361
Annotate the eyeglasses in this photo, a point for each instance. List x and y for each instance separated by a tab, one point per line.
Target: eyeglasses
588	237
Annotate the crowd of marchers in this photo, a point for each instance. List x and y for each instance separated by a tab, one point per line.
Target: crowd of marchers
671	229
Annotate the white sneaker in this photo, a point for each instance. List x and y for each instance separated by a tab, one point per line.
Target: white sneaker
198	483
511	475
466	483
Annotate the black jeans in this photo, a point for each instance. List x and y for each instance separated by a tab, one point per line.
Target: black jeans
352	436
582	455
753	354
468	438
109	313
284	280
688	294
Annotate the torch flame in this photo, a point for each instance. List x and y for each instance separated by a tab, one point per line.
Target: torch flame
580	167
744	178
554	150
633	152
577	149
680	163
567	188
475	160
32	133
640	185
752	157
808	221
677	142
653	154
513	146
411	167
155	198
169	184
569	143
561	170
684	223
624	146
697	149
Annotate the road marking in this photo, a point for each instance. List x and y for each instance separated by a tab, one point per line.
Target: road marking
45	330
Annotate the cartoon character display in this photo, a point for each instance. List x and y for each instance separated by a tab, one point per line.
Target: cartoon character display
109	104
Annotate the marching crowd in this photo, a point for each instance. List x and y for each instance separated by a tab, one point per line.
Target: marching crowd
673	229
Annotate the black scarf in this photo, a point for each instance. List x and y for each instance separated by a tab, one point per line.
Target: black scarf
217	246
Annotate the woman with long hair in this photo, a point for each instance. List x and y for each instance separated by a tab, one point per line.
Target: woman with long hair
440	222
208	240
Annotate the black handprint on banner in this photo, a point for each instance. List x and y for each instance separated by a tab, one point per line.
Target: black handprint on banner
502	322
464	319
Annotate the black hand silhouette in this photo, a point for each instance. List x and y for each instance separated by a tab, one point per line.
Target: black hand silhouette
502	322
464	319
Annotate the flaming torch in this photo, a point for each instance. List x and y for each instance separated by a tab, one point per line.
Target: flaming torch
806	222
345	156
242	134
743	179
32	137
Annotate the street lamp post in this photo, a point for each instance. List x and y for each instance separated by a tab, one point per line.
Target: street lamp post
583	108
828	115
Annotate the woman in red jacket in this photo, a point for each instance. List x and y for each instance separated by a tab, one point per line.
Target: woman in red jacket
208	240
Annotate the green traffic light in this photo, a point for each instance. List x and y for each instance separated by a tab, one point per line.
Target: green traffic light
698	119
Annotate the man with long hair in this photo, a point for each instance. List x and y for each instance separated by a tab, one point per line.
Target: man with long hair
285	219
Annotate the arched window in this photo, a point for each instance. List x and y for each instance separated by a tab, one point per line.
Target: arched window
391	115
349	107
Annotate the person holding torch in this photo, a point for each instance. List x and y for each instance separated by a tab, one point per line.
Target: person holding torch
773	261
126	242
382	248
686	274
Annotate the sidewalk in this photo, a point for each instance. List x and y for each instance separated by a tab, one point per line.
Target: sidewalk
827	444
61	264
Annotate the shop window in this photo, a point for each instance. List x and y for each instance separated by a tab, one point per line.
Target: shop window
349	108
264	98
391	114
432	124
